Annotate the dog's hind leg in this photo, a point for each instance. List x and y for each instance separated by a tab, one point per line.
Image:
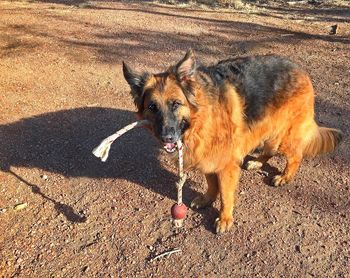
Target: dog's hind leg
305	140
210	196
293	162
291	147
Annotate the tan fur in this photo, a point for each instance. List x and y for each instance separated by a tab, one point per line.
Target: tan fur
325	140
219	138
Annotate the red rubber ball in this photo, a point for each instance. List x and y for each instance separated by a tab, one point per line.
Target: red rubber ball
178	211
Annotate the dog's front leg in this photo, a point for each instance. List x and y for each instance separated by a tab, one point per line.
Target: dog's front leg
228	182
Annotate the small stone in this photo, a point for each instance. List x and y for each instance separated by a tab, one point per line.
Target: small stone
20	206
264	173
150	247
333	29
44	177
3	210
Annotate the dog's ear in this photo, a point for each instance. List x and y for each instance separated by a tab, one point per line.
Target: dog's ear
185	71
186	68
136	82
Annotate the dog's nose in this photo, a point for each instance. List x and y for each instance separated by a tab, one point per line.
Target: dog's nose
168	138
168	135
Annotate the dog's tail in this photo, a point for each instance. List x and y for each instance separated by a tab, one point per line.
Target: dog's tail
323	140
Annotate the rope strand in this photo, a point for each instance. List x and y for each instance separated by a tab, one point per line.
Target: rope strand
102	152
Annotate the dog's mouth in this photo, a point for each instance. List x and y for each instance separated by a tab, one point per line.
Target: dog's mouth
169	147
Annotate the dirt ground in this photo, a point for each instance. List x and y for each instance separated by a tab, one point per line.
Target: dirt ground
62	91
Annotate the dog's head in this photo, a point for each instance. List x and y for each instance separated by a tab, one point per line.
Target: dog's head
165	99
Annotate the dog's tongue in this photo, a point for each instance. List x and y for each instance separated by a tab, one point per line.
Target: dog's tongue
169	146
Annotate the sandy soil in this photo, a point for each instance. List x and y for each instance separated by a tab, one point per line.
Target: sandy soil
62	91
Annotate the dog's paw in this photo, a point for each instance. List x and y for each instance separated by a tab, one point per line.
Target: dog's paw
279	180
223	224
201	201
253	165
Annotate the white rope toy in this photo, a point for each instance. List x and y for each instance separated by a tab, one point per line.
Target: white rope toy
183	176
102	152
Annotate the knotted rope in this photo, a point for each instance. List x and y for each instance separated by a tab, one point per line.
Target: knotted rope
102	152
183	176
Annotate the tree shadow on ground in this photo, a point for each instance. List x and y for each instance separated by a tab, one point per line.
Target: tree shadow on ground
113	45
306	12
228	26
65	2
323	14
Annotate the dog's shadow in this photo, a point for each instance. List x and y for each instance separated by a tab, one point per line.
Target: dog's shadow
62	142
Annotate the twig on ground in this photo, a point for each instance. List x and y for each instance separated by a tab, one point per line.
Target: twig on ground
14	208
167	253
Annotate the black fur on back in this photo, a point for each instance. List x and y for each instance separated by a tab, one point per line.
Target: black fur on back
258	80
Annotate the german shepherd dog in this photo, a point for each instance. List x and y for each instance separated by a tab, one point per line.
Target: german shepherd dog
225	111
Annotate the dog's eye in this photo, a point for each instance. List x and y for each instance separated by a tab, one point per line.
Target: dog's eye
176	105
153	107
